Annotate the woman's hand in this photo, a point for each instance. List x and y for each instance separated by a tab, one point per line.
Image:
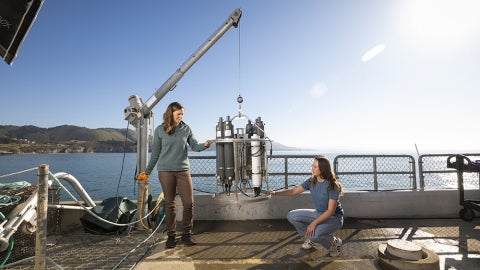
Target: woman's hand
270	192
143	176
311	229
207	143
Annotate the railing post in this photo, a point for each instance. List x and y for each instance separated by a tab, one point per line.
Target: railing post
286	172
42	206
375	174
414	175
421	178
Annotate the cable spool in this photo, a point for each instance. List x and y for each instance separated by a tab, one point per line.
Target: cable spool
404	249
405	255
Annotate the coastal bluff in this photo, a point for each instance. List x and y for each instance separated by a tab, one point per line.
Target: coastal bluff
75	139
65	139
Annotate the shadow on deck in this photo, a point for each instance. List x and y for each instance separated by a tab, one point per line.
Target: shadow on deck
264	244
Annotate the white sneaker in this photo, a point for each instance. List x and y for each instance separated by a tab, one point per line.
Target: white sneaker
336	247
307	244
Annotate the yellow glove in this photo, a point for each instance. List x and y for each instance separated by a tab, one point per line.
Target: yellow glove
143	176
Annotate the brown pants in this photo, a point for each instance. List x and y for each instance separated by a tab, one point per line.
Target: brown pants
171	183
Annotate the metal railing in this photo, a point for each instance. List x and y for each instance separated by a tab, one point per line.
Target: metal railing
355	172
434	173
376	172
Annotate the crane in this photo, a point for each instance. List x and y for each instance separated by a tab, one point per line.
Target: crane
139	113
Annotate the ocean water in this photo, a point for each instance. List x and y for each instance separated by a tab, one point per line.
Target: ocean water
102	175
105	175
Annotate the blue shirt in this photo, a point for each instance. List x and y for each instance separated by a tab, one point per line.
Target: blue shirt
321	196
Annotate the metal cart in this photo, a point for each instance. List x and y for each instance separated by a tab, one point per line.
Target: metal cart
463	164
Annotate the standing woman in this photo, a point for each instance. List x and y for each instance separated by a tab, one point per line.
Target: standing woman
170	155
318	225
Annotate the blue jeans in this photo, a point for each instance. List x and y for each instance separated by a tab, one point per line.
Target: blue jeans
301	218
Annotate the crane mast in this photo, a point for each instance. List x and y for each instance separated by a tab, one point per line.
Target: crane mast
139	113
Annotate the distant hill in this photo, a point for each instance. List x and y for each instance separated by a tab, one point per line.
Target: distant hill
66	138
62	134
70	139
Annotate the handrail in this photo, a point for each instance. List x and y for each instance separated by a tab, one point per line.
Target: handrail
384	172
434	166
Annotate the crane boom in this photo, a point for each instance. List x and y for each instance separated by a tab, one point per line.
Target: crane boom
139	110
170	83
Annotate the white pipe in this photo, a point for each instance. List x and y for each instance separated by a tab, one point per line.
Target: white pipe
77	186
69	207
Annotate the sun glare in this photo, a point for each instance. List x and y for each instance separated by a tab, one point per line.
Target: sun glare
442	22
373	52
318	90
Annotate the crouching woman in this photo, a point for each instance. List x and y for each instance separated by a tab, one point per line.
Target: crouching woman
318	225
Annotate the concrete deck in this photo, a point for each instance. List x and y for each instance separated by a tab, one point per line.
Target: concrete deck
263	244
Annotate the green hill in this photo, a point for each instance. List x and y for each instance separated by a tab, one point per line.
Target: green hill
70	139
66	138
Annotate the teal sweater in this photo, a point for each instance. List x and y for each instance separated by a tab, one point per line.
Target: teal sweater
170	151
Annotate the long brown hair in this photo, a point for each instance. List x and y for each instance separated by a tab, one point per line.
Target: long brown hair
168	123
327	174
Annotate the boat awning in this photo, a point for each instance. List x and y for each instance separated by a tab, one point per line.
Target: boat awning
16	18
